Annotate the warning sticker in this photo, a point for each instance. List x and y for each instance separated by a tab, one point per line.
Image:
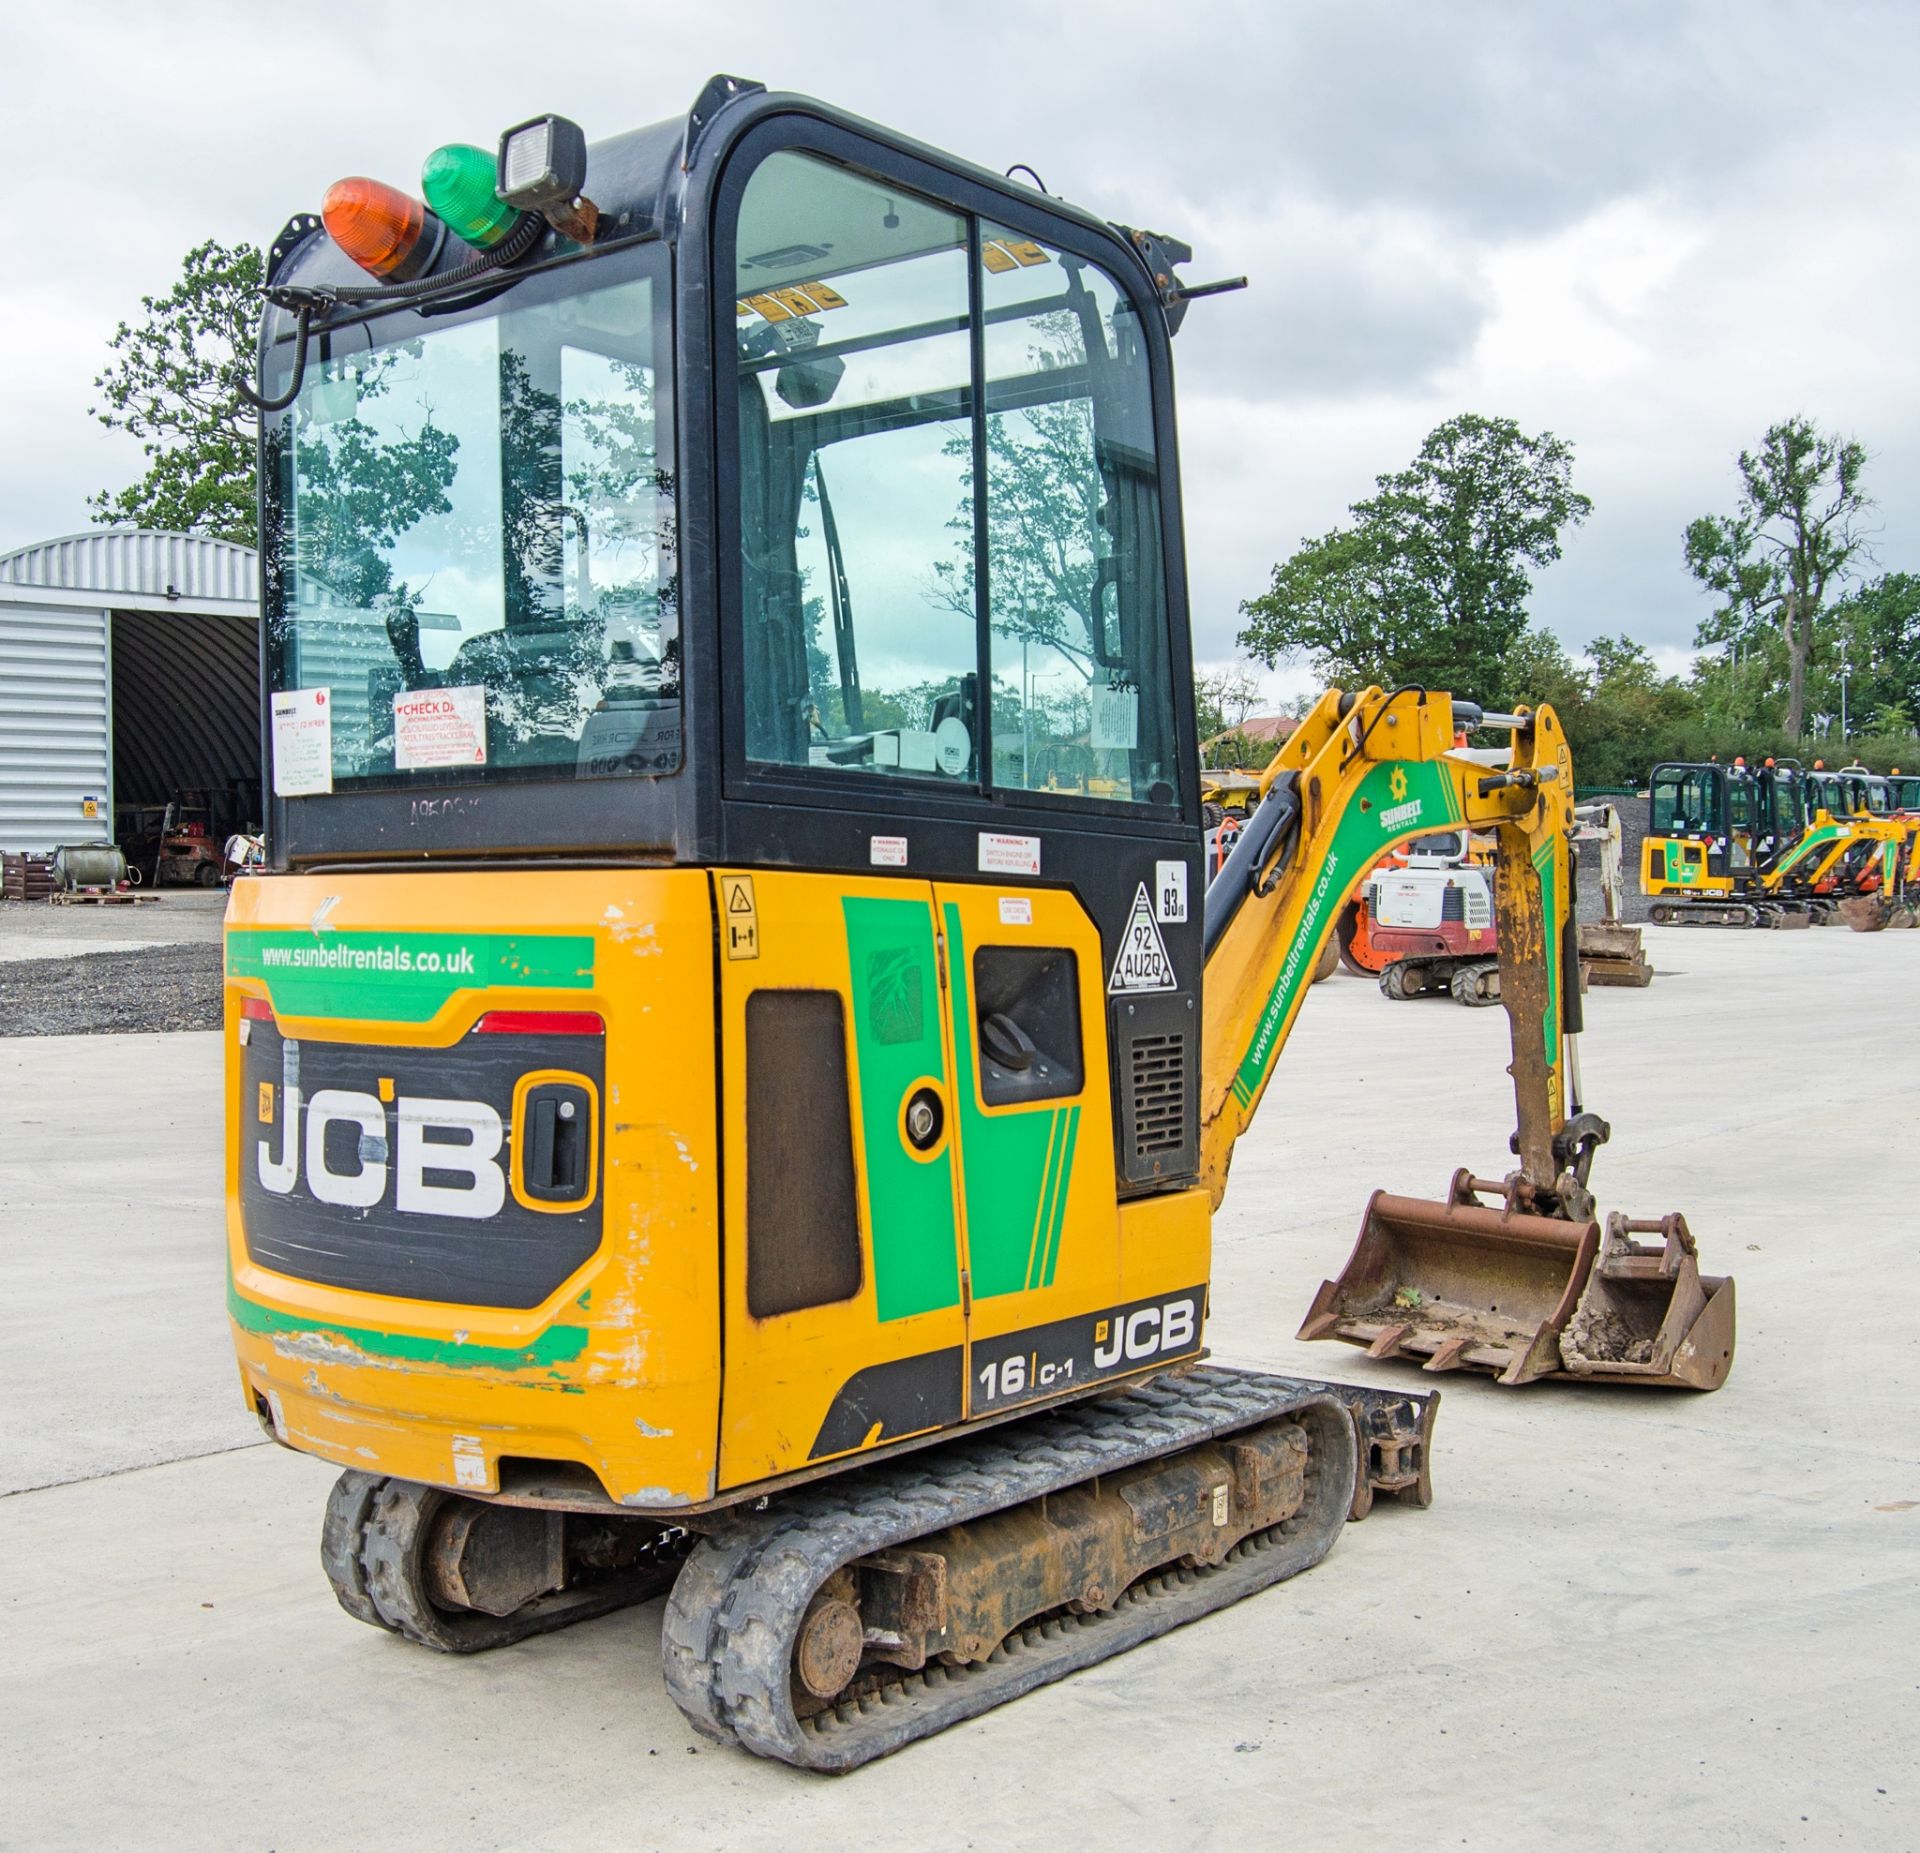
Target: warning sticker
440	727
1142	964
739	921
1001	854
302	741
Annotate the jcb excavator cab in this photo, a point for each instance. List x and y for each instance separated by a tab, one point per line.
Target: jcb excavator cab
1734	845
1700	828
1781	812
668	682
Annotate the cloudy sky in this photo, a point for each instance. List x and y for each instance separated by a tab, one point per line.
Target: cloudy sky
1650	227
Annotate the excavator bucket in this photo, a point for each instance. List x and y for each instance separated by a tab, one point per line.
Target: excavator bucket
1871	913
1614	954
1648	1314
1458	1286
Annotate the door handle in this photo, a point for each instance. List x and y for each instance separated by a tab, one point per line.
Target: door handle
556	1142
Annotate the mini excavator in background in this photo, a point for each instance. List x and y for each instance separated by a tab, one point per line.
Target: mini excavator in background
730	1066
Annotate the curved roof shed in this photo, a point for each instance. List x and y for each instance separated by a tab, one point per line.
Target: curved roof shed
127	673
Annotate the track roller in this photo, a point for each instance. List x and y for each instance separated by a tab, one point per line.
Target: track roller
857	1615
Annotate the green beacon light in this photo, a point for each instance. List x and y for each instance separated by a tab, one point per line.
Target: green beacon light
458	182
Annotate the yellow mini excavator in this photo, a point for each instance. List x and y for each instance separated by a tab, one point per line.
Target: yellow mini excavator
729	1061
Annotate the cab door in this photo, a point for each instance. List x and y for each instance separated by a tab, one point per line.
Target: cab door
1026	994
842	1247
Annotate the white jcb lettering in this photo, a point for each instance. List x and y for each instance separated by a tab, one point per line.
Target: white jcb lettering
472	1159
281	1174
1146	1333
352	1190
1143	1332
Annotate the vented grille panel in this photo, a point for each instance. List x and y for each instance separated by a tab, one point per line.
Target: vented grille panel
1156	1044
1159	1081
1453	903
803	1225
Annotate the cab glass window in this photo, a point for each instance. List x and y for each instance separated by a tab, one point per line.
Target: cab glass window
470	542
1786	809
1076	592
1686	801
894	357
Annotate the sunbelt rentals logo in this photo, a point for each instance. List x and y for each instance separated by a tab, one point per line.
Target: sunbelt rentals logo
1399	814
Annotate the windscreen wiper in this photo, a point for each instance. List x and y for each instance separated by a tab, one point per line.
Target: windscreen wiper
844	645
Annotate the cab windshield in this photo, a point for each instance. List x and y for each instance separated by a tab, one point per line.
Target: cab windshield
470	540
1687	801
949	512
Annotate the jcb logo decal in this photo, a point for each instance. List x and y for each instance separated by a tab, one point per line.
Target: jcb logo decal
1146	1333
461	1157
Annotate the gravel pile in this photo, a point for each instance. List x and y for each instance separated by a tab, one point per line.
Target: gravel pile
1633	828
112	993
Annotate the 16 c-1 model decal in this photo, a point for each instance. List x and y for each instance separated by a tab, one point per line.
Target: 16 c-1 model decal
912	1395
1044	1360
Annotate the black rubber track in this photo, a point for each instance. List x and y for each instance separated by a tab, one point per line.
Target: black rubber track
730	1625
349	1506
373	1547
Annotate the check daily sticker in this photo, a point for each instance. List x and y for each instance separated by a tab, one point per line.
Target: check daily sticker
302	726
439	727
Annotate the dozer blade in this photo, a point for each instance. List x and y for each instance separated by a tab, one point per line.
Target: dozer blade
1458	1286
1648	1314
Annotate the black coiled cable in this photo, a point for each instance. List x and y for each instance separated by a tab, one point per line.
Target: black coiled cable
307	302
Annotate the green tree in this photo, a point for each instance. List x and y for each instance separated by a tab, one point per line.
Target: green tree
1428	581
1876	634
1223	698
171	383
1044	493
1785	550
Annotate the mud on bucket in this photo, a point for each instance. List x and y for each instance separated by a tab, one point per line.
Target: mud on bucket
1649	1315
1458	1286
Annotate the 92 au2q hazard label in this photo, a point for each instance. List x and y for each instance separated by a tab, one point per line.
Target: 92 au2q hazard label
1142	963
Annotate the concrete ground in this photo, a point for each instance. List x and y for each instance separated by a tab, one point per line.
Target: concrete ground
40	930
1629	1619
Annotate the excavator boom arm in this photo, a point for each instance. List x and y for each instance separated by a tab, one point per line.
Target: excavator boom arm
1359	775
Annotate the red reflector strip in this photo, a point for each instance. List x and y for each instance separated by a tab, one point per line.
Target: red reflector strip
540	1023
257	1007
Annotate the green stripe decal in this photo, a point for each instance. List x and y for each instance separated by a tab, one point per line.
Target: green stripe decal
1543	867
1016	1165
558	1344
896	1027
1404	798
1037	1245
1062	1172
402	977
